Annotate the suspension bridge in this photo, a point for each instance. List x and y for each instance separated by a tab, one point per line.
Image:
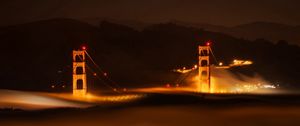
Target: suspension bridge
80	67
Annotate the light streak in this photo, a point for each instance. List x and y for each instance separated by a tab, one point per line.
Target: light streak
40	100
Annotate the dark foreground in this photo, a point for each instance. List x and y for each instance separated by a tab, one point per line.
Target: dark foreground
166	109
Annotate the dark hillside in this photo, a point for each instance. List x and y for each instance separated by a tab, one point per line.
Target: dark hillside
39	53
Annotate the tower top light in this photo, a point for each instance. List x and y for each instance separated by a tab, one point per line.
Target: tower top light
83	47
208	43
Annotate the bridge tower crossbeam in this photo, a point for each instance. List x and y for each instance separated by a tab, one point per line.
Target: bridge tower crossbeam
79	73
204	69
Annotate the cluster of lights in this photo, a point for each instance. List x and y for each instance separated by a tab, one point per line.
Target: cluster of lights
247	88
185	70
117	98
54	86
118	90
169	85
251	88
241	62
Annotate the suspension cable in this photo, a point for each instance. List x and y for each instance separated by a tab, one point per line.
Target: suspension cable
213	55
98	67
106	84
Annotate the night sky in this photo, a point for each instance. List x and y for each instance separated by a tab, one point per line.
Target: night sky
219	12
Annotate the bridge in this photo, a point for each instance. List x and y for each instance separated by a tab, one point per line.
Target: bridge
80	85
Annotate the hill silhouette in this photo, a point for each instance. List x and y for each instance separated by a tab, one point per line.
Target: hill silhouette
38	54
256	30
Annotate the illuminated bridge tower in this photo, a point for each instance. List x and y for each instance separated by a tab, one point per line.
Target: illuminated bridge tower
204	69
79	73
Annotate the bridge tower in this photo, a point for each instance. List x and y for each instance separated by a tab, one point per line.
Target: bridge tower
204	69
79	73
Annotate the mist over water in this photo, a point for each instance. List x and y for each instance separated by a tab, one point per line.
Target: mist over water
225	81
26	100
34	100
222	81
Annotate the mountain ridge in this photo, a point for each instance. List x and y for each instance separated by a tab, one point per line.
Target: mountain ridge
39	54
271	31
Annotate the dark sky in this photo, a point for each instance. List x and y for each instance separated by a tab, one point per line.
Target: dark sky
221	12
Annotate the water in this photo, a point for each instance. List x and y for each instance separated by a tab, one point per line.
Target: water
40	100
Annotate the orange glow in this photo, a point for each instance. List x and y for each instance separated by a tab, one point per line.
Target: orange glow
240	63
195	66
168	85
169	90
37	100
220	64
185	70
95	74
223	81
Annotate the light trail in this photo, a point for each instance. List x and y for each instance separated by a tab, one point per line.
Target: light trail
39	100
33	100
